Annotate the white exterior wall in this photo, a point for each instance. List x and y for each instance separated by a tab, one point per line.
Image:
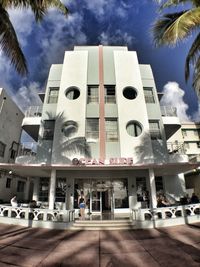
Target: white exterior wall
74	73
128	74
10	124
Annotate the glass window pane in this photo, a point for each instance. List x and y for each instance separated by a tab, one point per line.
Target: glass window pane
2	149
120	187
141	188
148	94
111	126
93	94
92	129
110	94
44	189
53	95
154	128
61	187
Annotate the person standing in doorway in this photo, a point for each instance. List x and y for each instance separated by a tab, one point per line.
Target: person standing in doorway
81	203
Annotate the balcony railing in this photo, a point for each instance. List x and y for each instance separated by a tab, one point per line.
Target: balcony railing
34	111
27	149
176	147
168	111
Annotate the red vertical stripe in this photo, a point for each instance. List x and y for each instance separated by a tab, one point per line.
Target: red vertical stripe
101	106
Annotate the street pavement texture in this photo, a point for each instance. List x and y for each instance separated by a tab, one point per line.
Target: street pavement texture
177	246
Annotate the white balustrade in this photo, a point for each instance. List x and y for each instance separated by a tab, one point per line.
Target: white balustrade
37	214
166	212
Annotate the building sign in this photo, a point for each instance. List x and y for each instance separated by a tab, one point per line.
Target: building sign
111	161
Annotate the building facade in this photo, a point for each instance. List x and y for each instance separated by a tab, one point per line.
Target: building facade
189	137
101	130
10	132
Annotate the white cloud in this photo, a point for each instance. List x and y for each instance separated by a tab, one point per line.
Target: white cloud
99	7
61	35
116	38
27	96
173	96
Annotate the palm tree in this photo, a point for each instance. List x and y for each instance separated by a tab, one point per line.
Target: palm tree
171	28
8	38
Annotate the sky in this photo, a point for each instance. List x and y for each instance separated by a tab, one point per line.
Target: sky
95	22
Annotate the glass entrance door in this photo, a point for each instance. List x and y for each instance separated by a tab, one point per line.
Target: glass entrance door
96	201
102	196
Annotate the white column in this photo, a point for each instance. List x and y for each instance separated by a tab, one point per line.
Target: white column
153	200
52	189
69	198
36	189
26	195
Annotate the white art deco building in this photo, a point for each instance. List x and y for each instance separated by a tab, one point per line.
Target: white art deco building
101	129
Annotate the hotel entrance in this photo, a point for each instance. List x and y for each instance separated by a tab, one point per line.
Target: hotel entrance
102	195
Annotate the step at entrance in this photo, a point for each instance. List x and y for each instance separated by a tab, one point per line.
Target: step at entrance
123	224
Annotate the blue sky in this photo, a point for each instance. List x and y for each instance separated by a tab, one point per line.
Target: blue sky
94	22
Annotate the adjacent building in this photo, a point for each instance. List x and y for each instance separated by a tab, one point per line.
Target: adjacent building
10	132
188	136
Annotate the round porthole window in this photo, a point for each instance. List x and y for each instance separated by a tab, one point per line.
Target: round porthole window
130	92
134	128
72	93
69	128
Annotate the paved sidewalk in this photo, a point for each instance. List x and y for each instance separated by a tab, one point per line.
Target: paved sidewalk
166	247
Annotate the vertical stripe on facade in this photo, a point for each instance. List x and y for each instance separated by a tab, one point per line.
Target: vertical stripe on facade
101	105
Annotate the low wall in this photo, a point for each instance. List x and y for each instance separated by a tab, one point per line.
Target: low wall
166	216
34	217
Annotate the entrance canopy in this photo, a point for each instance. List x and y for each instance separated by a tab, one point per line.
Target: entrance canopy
44	170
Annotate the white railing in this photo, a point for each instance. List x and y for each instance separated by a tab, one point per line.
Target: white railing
37	214
176	147
34	111
166	212
168	111
27	149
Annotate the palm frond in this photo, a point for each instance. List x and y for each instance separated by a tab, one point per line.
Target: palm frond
196	77
171	28
173	3
9	43
39	7
193	56
77	145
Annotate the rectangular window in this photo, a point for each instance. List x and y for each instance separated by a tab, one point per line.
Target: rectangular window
93	94
44	189
61	188
110	94
195	132
148	95
120	187
53	95
20	186
111	128
2	149
92	129
141	188
184	133
48	129
154	128
8	183
198	144
13	154
187	145
159	183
